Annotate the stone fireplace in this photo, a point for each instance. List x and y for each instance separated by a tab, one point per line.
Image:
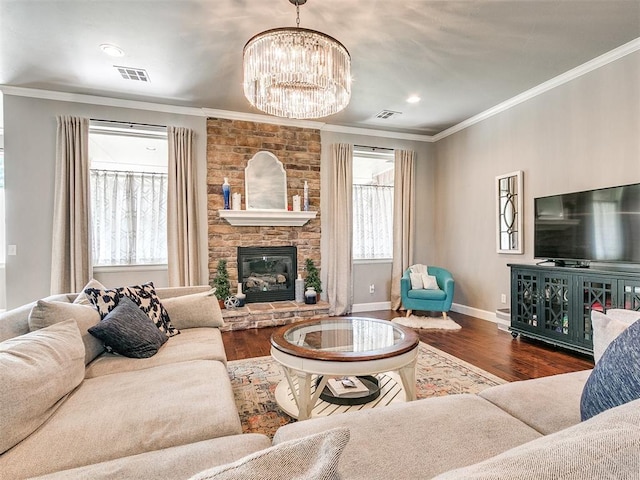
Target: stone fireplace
230	146
267	274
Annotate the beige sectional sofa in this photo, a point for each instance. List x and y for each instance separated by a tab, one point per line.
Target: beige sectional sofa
129	417
173	415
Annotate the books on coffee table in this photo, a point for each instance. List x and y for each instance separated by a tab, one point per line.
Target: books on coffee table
347	387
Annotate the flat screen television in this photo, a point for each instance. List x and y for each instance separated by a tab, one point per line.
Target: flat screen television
596	225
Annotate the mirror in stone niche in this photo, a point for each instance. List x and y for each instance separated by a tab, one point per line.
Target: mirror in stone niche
265	183
509	208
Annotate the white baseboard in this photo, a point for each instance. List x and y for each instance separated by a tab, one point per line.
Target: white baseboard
483	314
456	307
370	307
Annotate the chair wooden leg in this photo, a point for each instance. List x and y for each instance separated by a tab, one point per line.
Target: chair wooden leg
444	315
409	312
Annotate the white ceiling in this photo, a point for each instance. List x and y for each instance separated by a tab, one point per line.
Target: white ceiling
460	57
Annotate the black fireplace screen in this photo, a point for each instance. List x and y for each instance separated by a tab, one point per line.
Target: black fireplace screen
267	274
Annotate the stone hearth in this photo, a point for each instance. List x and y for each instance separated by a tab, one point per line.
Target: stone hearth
258	315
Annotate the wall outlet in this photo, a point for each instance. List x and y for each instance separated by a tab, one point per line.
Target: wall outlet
372	289
11	250
503	298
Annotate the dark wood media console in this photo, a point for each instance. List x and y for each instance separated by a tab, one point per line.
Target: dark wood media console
554	304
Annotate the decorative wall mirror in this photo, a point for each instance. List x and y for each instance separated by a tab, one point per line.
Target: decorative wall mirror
509	198
265	183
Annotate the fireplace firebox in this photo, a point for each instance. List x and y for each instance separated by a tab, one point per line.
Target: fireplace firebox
267	274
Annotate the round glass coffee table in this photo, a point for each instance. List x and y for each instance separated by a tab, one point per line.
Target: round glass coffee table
338	347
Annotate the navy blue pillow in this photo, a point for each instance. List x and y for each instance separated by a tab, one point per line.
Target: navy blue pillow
127	330
615	380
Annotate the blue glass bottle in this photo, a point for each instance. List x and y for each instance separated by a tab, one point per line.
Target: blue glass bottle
226	193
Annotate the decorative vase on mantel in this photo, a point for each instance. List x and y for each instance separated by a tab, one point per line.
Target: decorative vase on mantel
226	193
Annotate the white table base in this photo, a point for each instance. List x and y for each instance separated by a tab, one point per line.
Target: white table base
391	391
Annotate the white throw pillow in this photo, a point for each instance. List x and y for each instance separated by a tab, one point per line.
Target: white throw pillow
429	282
37	371
418	268
416	281
194	310
313	457
606	328
82	298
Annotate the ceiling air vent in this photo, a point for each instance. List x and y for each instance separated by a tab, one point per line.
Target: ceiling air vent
129	73
385	114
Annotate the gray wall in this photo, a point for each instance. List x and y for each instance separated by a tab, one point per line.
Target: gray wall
582	135
30	145
380	273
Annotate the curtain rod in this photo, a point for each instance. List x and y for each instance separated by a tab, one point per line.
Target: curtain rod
374	148
131	124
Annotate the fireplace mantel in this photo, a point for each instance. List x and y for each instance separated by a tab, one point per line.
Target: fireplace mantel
263	218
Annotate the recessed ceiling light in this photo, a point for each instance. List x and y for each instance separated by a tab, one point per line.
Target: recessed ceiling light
112	50
413	99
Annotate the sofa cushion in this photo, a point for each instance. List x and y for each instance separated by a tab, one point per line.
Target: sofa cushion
174	463
46	313
606	328
191	344
195	310
144	296
607	446
113	416
427	294
312	457
615	379
556	405
37	371
426	437
126	330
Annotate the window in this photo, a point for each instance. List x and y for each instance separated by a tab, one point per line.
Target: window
128	194
373	173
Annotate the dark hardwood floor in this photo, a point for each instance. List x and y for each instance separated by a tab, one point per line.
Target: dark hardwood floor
479	342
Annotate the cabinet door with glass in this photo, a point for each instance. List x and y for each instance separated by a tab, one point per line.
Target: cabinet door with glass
593	293
556	307
524	300
629	294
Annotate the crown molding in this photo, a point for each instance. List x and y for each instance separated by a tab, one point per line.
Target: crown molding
602	60
261	118
97	100
377	133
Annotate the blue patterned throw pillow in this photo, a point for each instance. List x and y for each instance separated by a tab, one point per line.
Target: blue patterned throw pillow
143	295
615	379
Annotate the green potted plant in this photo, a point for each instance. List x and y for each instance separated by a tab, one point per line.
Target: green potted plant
221	282
313	276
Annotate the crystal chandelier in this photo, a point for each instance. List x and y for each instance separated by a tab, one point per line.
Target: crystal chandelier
296	72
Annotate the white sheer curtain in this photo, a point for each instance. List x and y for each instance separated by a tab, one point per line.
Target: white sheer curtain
403	220
339	289
182	234
372	221
129	212
71	264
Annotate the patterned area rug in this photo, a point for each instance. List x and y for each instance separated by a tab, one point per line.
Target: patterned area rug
254	382
432	323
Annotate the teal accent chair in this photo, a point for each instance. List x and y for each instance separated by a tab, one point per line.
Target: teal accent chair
431	300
